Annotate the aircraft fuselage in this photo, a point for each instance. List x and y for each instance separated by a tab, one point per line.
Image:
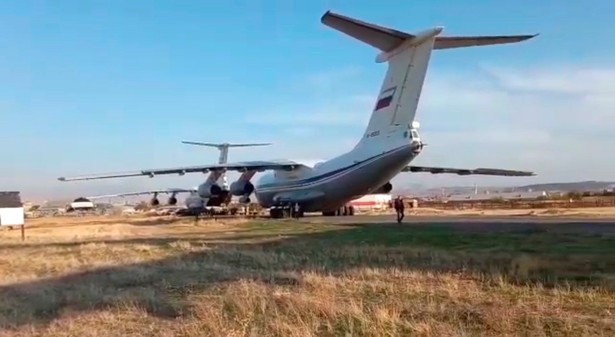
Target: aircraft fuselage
332	184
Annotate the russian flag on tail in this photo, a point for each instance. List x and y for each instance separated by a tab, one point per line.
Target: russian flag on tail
386	97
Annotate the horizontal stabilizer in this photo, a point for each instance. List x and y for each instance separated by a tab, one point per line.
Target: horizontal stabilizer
249	144
224	144
465	172
387	39
447	42
383	38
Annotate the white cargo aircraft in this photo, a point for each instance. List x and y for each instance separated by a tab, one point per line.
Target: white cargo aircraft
390	142
193	200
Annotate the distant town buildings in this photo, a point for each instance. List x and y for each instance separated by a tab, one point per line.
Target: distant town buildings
372	201
530	195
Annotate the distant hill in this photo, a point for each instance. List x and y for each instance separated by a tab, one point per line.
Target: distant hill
590	185
548	187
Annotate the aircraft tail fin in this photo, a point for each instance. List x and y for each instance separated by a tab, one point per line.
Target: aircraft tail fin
407	57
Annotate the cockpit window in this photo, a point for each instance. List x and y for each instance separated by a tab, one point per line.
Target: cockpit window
414	134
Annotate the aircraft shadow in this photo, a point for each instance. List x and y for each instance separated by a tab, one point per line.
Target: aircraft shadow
161	286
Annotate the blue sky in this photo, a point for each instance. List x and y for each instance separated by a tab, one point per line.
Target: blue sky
88	87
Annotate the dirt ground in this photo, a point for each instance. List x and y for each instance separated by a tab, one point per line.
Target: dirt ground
164	276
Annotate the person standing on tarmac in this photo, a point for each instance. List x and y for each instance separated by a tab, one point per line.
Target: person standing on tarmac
399	208
296	213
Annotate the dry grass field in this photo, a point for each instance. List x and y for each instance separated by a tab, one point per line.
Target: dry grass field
585	212
593	212
173	277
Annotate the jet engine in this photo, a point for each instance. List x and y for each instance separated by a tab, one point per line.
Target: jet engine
241	188
172	200
386	188
154	201
207	189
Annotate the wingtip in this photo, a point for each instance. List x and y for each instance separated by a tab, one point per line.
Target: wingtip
325	15
532	36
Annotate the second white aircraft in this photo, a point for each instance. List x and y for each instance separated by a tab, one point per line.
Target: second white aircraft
193	201
390	142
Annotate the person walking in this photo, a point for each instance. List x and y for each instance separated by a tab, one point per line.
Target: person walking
399	208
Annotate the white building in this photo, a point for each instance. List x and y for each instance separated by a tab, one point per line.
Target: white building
372	201
81	204
11	209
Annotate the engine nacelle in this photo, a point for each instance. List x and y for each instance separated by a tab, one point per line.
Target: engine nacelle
172	201
386	188
239	188
207	190
154	201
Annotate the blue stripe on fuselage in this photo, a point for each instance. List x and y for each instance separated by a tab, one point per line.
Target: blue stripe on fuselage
297	183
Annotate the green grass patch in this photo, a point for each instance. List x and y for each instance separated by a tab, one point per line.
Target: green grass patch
526	255
441	237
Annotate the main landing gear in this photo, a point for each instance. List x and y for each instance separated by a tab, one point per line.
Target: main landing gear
286	211
291	211
279	212
342	211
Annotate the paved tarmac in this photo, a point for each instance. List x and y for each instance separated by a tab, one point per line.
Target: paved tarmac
483	223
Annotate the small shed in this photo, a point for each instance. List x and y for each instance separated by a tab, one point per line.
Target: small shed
11	209
372	201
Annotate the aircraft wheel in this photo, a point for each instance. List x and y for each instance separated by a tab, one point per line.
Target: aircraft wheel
351	210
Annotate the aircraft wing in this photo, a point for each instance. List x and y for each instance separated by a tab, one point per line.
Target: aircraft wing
258	166
129	194
464	172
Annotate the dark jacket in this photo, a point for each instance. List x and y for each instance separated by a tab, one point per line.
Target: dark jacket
399	204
